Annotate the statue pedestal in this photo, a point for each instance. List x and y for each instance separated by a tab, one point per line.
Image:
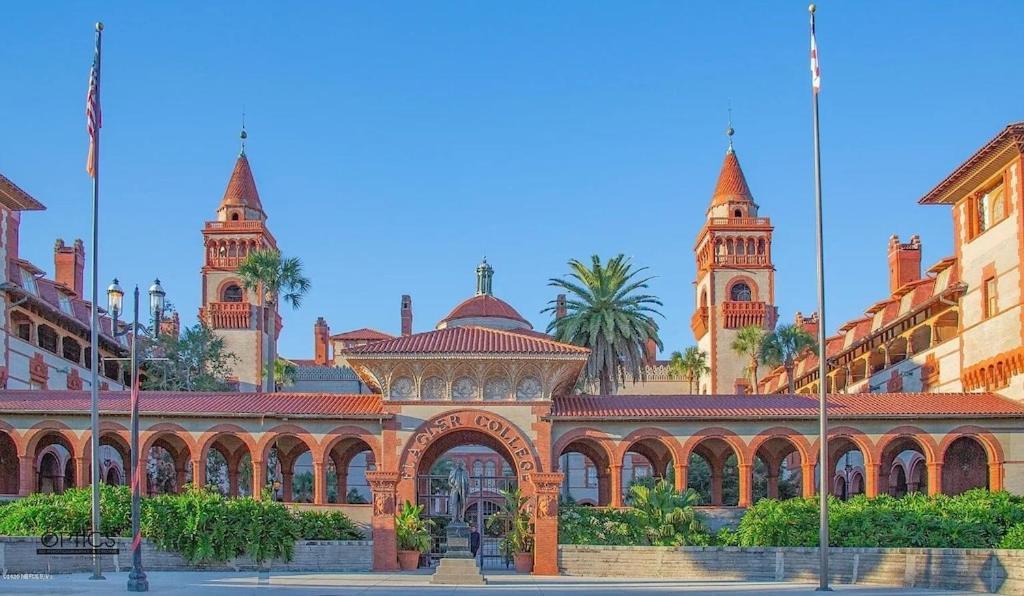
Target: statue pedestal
458	565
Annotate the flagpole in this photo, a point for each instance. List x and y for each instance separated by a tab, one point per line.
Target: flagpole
94	333
823	461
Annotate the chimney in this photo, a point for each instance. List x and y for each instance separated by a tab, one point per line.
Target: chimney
406	315
69	265
650	352
321	342
560	310
904	262
808	324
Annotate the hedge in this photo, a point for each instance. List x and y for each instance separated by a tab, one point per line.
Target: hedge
200	524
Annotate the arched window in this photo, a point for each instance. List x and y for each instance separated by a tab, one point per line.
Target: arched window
741	247
232	293
490	472
234	217
737	213
740	292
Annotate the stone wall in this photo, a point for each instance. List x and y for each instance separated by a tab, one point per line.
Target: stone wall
18	555
979	570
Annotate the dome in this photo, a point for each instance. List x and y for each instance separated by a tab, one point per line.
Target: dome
484	310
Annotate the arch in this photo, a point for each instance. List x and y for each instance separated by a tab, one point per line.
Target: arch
218	432
735	287
895	442
716	446
158	431
794	438
598	444
993	451
10	470
340	449
716	432
233	443
288	455
665	438
774	449
841	440
40	430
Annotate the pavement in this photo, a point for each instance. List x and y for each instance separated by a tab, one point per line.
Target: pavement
199	583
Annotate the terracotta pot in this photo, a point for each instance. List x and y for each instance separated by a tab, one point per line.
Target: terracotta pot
524	562
408	560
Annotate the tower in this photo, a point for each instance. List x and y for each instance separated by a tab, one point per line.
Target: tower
735	284
232	312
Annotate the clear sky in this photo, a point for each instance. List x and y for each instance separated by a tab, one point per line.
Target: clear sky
395	143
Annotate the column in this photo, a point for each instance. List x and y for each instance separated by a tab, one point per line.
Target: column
807	479
286	485
199	471
716	484
934	478
179	476
26	475
82	469
385	543
232	464
773	485
616	482
746	496
341	473
871	479
319	483
995	476
545	522
604	488
259	478
682	472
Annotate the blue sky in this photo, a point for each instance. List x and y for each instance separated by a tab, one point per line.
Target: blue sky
394	144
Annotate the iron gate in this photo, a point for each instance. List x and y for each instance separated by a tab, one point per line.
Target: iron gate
484	501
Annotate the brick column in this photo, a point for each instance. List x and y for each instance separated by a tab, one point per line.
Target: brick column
773	485
807	479
233	463
385	543
180	473
319	483
341	474
259	478
716	486
682	472
871	479
545	522
604	489
286	486
934	478
26	475
616	482
995	476
746	496
199	471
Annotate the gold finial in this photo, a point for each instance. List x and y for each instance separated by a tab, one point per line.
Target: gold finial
811	8
99	26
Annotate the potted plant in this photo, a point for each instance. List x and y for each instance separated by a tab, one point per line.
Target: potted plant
514	520
413	535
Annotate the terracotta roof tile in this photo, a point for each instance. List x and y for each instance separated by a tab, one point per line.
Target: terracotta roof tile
841	406
732	184
484	306
195	403
467	340
241	190
364	334
13	197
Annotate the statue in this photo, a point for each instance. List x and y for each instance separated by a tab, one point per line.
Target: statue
458	483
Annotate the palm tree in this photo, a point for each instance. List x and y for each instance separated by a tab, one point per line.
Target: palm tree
784	345
748	343
669	517
692	364
284	373
268	274
607	313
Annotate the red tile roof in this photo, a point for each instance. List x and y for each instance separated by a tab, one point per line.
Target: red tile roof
48	294
13	197
484	306
956	184
364	334
732	184
469	340
241	190
841	406
196	403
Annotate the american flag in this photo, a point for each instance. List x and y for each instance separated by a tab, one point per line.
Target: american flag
94	119
815	67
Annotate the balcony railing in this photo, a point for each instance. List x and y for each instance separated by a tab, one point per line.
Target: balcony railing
238	225
742	260
699	322
227	315
740	314
225	262
741	221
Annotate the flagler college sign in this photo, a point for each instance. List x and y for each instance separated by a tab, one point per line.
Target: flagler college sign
494	426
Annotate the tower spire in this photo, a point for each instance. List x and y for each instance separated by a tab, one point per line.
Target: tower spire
243	136
730	131
484	278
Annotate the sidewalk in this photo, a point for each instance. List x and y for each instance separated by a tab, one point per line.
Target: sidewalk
198	583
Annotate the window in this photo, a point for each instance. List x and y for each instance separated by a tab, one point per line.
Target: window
234	217
110	369
998	204
988	293
591	476
982	207
72	350
28	281
47	338
22	325
233	293
641	472
737	213
740	292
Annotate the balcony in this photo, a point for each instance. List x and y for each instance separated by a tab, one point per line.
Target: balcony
235	226
699	322
741	222
227	315
737	315
743	260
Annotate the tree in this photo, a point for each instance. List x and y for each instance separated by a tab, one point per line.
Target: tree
691	365
669	517
784	345
284	373
748	343
196	361
607	313
268	274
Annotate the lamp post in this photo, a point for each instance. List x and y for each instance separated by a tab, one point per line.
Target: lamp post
137	581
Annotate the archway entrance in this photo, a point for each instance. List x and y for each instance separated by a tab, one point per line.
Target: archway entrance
490	468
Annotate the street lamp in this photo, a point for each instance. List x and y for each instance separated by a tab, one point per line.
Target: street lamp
156	305
137	581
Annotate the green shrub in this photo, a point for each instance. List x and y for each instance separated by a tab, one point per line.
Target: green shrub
1014	537
726	537
331	525
68	513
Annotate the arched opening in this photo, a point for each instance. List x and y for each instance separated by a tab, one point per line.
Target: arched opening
858	370
114	458
229	465
921	339
946	326
740	292
876	361
113	476
965	466
234	217
232	293
290	470
22	325
168	465
897	350
477	452
898	461
9	465
348	462
713	472
737	213
587	470
54	459
847	461
644	462
777	470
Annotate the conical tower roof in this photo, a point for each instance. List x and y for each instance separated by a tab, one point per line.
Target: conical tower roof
732	184
241	190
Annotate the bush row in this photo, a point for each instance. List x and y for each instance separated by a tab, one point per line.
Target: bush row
199	523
